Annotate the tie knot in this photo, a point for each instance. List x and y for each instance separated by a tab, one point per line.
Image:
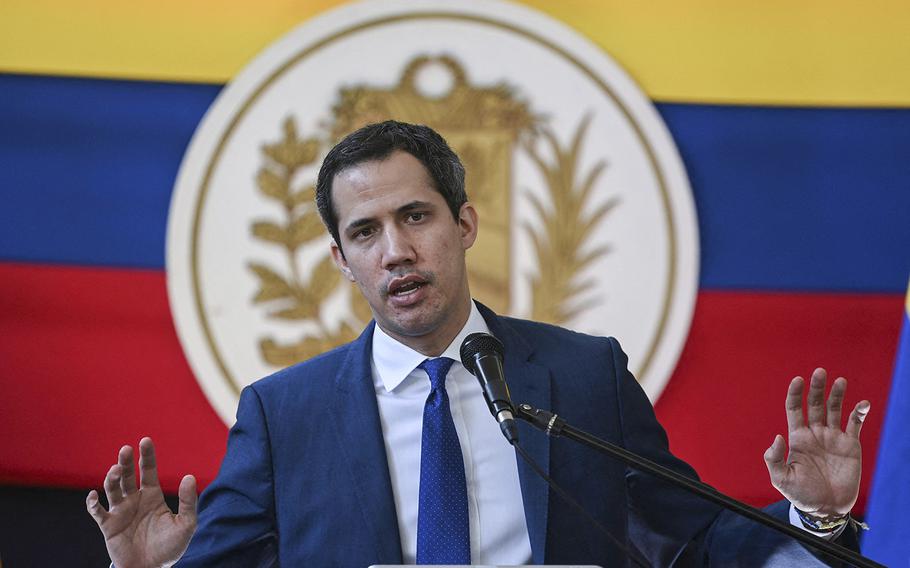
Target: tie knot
437	369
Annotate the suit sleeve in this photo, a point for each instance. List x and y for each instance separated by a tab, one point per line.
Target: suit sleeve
237	511
673	527
665	523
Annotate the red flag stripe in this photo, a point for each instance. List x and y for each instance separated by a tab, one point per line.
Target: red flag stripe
90	360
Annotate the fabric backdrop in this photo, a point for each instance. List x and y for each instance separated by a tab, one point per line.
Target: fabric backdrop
793	122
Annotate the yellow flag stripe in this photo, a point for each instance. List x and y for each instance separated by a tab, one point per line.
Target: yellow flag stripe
809	52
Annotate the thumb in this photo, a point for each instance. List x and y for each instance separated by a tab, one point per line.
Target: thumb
94	507
775	458
186	495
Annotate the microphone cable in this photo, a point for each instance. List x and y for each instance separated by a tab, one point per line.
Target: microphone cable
632	553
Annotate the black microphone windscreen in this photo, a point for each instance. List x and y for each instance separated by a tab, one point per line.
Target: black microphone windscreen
478	343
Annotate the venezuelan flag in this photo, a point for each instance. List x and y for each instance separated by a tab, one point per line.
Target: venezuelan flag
793	120
889	542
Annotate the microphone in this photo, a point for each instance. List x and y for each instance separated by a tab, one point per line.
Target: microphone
481	355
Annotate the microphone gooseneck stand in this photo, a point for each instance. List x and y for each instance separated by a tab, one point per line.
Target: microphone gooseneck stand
554	426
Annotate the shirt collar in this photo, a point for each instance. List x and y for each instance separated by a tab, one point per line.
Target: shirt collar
394	361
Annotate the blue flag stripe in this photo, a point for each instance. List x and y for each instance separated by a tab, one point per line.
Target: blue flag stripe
87	167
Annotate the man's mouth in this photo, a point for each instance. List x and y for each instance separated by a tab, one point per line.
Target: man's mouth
406	286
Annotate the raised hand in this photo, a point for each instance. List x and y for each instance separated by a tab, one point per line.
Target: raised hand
821	474
139	529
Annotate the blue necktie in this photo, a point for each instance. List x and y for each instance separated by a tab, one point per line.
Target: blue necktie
443	536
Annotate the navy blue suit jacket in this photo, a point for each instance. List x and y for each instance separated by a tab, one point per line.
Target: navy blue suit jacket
305	479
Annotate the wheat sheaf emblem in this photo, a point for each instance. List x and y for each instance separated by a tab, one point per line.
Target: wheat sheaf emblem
564	228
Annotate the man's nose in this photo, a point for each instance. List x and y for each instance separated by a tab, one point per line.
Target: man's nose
398	248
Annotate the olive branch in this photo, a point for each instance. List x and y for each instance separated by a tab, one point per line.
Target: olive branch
288	296
566	227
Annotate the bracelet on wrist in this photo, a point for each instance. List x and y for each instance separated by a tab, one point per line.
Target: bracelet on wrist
828	523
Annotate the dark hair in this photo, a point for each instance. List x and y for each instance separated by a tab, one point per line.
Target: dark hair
378	141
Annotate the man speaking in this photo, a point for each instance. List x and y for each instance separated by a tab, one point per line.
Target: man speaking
383	451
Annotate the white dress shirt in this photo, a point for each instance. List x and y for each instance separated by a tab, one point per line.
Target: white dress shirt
499	533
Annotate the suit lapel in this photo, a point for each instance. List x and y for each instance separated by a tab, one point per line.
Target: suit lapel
529	383
359	437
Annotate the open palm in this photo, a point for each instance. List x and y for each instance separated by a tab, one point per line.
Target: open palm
821	474
139	529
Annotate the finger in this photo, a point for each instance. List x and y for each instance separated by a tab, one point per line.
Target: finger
94	507
186	495
855	422
112	486
795	404
816	399
128	469
836	402
148	466
775	458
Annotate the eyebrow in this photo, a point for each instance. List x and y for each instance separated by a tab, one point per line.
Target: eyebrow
415	205
406	208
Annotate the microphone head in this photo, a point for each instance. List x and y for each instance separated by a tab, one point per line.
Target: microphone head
478	343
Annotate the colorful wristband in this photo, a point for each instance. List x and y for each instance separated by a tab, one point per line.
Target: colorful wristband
828	523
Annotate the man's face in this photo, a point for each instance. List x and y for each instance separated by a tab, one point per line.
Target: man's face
404	250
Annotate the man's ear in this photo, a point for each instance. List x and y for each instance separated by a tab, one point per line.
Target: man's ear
340	261
468	223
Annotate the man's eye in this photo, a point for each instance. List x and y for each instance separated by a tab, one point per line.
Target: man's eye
416	216
363	233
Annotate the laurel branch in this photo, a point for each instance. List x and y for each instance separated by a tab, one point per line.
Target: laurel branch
566	227
288	296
